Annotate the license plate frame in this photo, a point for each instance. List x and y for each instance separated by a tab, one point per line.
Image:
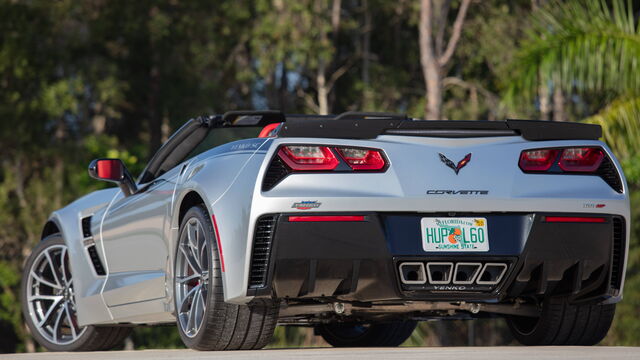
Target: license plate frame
454	234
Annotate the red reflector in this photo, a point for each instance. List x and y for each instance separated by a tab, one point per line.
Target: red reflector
215	228
537	160
581	159
326	218
569	219
362	159
308	158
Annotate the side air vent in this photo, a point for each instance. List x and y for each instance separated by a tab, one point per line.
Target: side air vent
86	227
95	260
275	173
607	171
262	244
617	259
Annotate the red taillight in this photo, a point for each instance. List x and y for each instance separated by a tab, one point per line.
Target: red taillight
574	219
308	158
322	218
268	130
537	160
363	159
586	159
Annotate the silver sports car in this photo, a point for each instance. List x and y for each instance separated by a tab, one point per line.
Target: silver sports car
359	225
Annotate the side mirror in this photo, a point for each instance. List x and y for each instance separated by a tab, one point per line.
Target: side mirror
113	170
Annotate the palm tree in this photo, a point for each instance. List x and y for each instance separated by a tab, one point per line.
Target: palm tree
587	47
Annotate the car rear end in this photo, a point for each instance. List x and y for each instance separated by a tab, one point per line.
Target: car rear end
426	221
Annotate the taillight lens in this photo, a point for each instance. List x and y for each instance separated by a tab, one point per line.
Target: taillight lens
363	159
538	160
308	158
587	159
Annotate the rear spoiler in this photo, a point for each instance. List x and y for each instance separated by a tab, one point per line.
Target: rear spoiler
358	125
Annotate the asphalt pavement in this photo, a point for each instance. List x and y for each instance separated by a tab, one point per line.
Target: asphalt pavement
423	353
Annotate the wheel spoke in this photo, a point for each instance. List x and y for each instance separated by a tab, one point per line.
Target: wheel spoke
190	324
190	261
185	279
44	297
192	236
49	312
42	280
56	325
53	268
187	296
200	309
63	267
72	324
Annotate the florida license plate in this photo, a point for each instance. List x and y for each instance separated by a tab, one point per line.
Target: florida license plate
454	234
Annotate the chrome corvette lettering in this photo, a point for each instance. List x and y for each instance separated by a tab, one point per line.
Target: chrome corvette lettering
457	192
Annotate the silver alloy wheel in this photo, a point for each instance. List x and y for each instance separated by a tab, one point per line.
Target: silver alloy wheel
192	277
50	297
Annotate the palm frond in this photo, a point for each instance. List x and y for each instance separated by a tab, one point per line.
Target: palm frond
585	45
620	126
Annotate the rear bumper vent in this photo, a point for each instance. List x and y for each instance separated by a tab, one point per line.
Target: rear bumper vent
607	171
261	252
617	256
275	173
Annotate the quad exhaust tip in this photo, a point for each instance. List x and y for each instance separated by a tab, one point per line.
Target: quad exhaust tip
439	272
491	273
466	273
442	273
412	273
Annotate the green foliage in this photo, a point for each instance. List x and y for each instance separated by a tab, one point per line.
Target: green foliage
10	319
586	44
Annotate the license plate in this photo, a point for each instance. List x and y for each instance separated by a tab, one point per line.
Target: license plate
454	234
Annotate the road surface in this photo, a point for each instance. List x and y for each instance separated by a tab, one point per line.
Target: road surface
422	353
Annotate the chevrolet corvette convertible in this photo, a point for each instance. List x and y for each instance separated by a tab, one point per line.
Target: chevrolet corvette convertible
359	225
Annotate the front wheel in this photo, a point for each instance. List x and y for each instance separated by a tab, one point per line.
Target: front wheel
205	321
366	335
49	304
561	323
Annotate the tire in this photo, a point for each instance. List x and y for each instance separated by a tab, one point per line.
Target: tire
366	335
563	324
48	303
205	321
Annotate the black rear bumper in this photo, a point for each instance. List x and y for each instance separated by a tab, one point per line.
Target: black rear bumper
358	261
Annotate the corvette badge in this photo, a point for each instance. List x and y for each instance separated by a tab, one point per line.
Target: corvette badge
462	163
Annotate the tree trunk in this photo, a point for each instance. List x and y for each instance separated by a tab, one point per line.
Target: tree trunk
430	66
558	104
545	107
366	48
323	93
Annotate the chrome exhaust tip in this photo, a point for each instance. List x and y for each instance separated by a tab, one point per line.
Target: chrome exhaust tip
439	272
412	273
465	273
491	273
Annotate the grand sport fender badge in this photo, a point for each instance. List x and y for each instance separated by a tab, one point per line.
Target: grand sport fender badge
462	163
306	205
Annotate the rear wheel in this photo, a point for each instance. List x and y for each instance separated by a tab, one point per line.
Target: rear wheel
561	323
49	305
366	335
205	321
